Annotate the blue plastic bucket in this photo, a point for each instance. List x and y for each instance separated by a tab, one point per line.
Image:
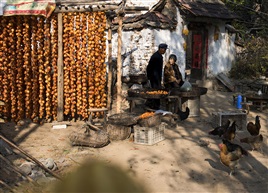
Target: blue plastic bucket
238	102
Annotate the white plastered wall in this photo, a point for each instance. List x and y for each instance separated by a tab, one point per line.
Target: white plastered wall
221	52
138	46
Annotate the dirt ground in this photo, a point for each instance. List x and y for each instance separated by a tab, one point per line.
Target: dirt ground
186	161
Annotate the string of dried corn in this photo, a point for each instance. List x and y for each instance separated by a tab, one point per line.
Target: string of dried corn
90	60
2	25
78	62
35	69
14	70
73	67
84	104
20	72
102	47
54	56
40	53
27	66
47	69
67	61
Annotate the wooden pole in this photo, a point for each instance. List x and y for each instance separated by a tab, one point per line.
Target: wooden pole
6	186
110	69
17	170
31	157
119	65
60	71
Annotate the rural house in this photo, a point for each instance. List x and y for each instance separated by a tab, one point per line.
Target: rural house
69	46
195	30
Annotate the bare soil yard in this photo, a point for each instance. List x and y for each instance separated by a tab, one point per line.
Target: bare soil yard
186	161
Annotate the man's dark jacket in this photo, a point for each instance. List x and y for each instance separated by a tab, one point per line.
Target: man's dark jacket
154	70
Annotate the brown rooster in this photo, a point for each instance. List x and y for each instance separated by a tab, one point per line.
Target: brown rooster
229	159
254	141
232	147
230	132
254	129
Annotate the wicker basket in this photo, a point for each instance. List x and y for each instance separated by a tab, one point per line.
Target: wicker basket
125	119
117	132
152	121
89	138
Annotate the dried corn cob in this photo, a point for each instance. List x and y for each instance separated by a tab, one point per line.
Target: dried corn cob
35	69
54	56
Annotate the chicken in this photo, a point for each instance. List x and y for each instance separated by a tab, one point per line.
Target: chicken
230	132
254	129
254	141
220	130
232	147
229	159
183	115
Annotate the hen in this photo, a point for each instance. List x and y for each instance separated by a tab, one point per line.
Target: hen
254	141
254	129
183	115
229	159
230	132
232	147
220	130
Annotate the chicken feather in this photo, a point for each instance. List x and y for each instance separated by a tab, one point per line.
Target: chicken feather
232	147
254	128
229	159
183	114
230	132
220	130
254	141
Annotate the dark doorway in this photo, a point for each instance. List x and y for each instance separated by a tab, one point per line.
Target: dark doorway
197	50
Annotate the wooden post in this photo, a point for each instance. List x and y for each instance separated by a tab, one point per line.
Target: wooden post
119	65
120	15
110	71
60	85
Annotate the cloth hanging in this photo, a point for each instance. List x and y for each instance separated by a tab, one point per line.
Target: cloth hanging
29	7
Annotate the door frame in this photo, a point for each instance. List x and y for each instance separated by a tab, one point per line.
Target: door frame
197	29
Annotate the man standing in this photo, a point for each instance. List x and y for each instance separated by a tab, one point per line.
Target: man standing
154	72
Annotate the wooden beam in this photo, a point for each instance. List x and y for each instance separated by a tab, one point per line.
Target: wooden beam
17	170
6	186
60	85
85	8
110	67
226	81
31	157
119	65
95	7
136	8
85	2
